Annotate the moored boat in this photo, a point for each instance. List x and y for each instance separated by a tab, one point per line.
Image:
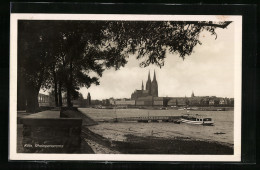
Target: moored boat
197	120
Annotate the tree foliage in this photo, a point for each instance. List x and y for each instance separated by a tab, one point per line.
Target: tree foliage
64	54
151	40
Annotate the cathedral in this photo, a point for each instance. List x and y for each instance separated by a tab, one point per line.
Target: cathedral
151	88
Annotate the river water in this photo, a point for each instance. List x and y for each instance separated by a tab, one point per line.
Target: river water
224	123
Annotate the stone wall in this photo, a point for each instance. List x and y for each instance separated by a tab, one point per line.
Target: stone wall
86	120
51	135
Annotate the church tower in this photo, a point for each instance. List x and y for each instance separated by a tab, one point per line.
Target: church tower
192	94
154	88
149	84
89	99
142	85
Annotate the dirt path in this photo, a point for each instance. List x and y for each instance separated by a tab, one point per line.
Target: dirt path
98	143
100	149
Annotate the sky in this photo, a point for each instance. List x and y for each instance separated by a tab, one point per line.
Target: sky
208	71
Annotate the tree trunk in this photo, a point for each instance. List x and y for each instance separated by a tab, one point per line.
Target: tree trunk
32	91
60	94
69	88
69	104
55	89
21	92
32	101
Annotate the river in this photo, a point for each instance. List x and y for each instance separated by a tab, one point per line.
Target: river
224	124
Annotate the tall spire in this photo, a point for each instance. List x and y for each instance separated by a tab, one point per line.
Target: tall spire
148	84
154	76
192	94
149	76
142	85
154	88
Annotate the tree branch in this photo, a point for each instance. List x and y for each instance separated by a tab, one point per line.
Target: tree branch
224	25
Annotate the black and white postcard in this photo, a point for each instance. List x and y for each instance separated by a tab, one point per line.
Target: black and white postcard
125	87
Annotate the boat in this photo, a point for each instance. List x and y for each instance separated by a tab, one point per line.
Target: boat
196	119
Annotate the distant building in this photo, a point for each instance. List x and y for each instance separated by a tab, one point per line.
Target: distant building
223	101
125	102
88	100
105	102
177	101
150	90
172	102
144	101
192	94
231	101
204	101
96	102
111	101
200	101
149	97
45	100
158	101
214	102
79	103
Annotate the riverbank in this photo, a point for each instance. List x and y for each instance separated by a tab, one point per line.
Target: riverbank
217	139
93	141
154	145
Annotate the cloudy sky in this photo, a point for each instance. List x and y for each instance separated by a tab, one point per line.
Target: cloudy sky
208	71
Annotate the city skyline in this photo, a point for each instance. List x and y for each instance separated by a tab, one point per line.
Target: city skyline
209	71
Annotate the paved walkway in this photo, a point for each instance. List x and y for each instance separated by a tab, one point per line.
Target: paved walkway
45	114
22	114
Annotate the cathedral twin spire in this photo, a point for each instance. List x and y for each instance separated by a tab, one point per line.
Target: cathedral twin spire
152	86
